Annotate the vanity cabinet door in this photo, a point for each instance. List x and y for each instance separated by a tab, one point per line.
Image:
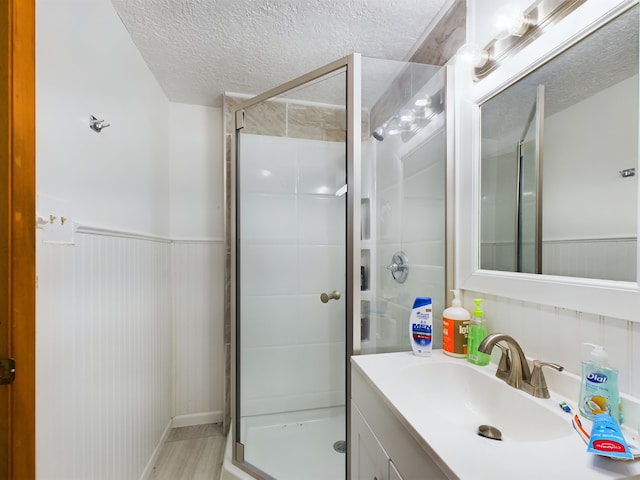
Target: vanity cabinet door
369	460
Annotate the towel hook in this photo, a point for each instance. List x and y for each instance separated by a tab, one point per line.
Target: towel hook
96	124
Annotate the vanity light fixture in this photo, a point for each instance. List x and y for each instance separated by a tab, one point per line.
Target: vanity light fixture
423	102
514	29
393	126
422	108
415	114
406	121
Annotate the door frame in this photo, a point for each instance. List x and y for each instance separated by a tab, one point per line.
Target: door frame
17	236
352	64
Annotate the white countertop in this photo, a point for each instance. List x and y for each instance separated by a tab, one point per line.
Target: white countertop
470	456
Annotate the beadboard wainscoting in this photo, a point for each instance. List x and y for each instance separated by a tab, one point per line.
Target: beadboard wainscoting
198	285
104	361
129	336
602	258
557	335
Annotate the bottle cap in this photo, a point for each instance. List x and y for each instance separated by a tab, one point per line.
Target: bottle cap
477	312
456	301
598	353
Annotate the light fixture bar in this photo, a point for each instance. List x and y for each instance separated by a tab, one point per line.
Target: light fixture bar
540	16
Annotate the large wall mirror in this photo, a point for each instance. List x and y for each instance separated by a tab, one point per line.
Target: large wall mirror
559	152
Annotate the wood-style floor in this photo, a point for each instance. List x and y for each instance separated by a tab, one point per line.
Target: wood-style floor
191	453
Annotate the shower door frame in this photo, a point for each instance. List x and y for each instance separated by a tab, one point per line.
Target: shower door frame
352	66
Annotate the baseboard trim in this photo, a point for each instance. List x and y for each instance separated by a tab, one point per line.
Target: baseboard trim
148	470
197	419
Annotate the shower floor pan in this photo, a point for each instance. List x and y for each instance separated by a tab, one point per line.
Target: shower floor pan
293	445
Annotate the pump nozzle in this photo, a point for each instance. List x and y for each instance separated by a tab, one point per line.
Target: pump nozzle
477	312
598	354
456	300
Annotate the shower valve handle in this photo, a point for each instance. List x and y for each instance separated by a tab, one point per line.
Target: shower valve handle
325	297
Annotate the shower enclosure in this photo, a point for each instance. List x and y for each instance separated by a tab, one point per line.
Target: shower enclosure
334	172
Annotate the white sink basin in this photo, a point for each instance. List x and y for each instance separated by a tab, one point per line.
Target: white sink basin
442	401
470	396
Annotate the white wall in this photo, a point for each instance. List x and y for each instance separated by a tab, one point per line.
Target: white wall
197	197
128	322
87	65
198	261
585	147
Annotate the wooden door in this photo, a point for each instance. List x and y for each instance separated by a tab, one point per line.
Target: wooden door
17	236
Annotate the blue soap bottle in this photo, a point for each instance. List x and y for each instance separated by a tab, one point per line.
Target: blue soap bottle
421	327
599	386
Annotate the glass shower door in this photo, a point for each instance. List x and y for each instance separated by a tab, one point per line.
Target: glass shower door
291	199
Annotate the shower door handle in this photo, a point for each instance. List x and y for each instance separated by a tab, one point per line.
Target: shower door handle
325	297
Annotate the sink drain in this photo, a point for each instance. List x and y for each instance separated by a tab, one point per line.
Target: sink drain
340	446
488	431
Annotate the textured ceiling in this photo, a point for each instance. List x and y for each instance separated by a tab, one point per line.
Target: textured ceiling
199	49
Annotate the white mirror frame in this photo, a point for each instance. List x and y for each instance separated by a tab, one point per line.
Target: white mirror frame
601	297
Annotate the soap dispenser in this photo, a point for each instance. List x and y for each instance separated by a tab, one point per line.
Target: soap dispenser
599	386
455	323
476	333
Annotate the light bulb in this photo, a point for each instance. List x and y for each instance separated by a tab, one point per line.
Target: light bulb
406	117
423	102
509	20
472	54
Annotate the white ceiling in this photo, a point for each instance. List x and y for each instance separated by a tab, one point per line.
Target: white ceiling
199	49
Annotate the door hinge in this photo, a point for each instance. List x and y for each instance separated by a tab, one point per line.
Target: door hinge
239	119
7	371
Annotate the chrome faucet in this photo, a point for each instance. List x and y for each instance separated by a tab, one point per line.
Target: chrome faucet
514	368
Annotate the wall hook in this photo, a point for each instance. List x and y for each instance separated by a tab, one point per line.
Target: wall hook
627	172
97	125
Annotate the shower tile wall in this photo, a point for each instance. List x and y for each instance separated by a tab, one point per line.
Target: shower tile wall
293	345
280	119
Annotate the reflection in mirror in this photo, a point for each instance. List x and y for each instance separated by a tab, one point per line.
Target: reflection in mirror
557	193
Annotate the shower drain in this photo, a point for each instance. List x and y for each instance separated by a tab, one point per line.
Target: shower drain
340	446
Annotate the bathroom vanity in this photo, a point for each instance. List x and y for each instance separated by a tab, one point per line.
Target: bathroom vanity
417	418
381	446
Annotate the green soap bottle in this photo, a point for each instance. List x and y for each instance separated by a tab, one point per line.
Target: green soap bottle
475	334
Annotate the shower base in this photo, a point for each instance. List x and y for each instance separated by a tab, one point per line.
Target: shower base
292	445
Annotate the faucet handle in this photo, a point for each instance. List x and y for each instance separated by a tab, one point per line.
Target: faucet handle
538	382
504	366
